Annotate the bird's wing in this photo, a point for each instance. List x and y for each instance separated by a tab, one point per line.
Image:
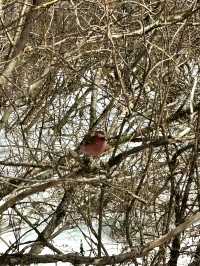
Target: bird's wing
88	139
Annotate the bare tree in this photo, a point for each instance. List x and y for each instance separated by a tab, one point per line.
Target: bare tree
131	69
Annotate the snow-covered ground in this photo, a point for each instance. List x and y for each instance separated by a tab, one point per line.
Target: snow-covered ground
70	240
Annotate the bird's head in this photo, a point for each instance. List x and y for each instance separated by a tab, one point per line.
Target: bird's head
99	134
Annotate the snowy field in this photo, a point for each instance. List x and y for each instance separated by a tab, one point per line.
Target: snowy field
69	241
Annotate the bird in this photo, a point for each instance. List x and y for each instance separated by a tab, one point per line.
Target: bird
94	144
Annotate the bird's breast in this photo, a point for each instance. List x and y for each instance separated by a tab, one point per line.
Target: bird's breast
94	149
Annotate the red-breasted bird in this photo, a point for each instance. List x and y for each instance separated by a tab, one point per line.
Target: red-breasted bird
94	144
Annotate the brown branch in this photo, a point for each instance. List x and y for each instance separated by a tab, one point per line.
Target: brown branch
71	179
134	137
162	22
155	143
25	164
56	219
